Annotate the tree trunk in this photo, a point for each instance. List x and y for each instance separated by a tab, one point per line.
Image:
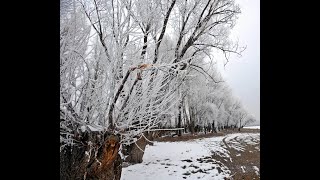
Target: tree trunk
134	153
96	160
191	127
179	121
213	127
191	122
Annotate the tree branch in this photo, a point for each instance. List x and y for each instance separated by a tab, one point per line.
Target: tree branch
163	31
110	114
205	73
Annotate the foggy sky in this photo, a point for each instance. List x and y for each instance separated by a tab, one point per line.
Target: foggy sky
243	73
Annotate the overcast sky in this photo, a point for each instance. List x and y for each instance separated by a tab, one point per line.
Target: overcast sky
243	73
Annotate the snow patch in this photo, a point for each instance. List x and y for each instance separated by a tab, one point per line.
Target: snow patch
252	127
243	169
256	170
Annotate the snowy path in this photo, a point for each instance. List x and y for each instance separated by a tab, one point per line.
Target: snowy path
188	160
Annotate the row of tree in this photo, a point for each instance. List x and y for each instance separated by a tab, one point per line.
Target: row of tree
128	67
207	106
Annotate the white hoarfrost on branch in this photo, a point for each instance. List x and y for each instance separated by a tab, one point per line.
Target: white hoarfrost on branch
132	66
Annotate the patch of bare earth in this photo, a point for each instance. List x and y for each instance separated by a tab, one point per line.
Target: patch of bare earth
186	137
244	164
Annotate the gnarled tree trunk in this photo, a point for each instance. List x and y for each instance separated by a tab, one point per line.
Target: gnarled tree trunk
135	153
95	157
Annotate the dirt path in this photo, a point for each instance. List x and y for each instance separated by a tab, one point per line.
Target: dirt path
244	161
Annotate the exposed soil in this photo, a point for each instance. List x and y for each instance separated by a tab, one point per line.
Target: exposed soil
243	164
186	137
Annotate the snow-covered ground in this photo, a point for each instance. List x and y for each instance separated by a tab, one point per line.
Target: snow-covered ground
186	160
252	127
